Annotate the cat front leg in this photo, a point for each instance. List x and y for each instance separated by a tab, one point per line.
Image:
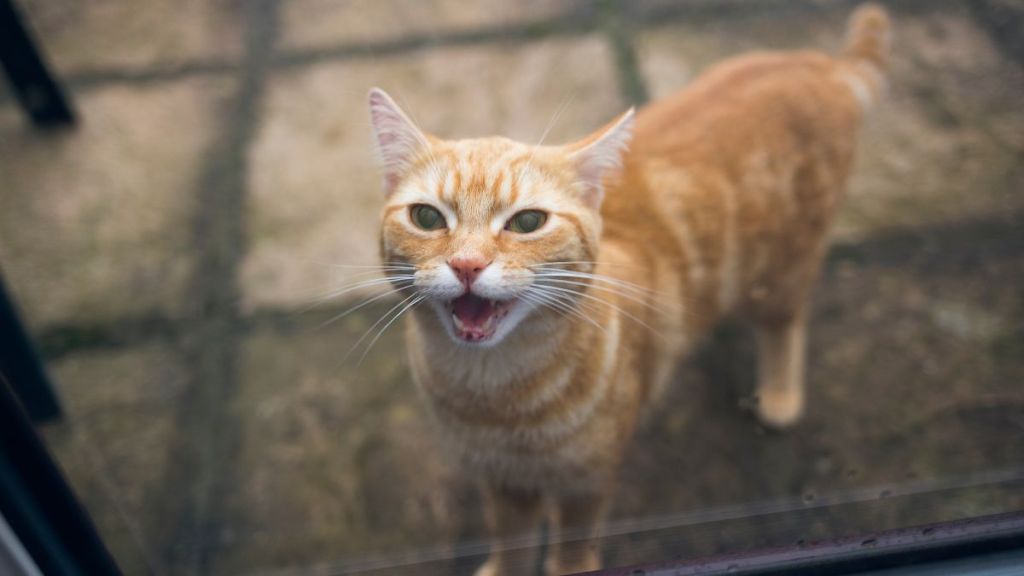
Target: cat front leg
576	521
781	347
513	520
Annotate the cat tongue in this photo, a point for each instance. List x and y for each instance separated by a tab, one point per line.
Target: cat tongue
472	311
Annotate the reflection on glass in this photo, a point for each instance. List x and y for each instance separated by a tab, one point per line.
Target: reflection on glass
200	264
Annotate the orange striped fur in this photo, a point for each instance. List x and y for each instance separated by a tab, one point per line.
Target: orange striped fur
714	201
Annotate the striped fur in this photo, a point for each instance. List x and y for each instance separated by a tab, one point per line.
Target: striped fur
721	205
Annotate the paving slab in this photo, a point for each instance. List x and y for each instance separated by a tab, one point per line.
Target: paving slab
312	24
96	221
945	143
315	183
113	440
122	35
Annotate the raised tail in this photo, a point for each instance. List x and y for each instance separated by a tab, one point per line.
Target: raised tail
868	35
867	51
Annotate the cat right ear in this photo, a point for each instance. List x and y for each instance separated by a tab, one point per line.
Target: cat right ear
399	141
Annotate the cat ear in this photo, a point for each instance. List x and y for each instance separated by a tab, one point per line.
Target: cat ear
398	139
601	153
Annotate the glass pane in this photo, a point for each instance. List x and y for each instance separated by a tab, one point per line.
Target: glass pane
189	259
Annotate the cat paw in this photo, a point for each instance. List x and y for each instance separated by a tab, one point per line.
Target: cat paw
780	409
488	568
590	563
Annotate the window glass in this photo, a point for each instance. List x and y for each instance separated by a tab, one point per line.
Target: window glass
198	259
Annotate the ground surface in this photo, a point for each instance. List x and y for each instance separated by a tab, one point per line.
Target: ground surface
165	252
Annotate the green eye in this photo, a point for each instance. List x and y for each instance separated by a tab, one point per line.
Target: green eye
427	217
526	221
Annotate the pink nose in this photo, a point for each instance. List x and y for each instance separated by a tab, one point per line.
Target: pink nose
467	268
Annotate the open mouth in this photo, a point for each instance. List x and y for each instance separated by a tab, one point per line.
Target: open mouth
476	319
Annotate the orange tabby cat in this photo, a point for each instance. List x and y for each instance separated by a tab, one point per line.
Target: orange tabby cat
553	289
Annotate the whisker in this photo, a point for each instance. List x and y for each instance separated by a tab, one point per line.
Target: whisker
334	293
553	121
373	267
594	262
386	326
560	304
397	290
639	300
374	326
599	278
543	302
382	273
606	303
403	265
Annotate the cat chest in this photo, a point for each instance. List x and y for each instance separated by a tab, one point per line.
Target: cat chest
569	435
566	453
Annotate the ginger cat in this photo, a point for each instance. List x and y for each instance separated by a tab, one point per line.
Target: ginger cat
553	289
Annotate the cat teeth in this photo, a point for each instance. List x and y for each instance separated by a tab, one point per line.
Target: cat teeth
485	327
489	323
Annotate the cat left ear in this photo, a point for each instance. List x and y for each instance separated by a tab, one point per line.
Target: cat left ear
599	154
399	141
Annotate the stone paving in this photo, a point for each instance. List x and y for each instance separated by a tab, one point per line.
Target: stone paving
166	254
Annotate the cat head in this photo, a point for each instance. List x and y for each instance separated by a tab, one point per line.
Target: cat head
480	219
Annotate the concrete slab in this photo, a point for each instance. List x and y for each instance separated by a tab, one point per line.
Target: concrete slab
312	24
126	35
113	442
315	182
96	222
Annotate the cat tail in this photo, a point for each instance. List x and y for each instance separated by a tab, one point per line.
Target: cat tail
867	51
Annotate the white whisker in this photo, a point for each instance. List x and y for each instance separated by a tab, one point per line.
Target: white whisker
550	265
397	290
383	265
605	302
357	286
373	267
564	305
558	273
577	307
554	120
543	302
377	323
386	326
642	300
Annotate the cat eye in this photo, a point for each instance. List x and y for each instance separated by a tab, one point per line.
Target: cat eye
526	221
427	217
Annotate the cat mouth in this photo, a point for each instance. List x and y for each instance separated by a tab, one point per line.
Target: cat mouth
475	318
